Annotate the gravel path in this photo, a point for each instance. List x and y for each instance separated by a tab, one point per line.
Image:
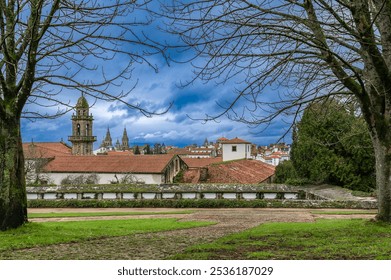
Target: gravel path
162	245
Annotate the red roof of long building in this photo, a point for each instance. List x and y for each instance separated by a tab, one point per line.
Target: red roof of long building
178	151
109	164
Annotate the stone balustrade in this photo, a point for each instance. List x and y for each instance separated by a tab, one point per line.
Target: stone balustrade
281	195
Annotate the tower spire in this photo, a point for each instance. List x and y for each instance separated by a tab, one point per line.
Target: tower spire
125	140
82	139
108	141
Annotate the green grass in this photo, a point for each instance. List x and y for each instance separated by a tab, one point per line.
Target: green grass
101	214
40	234
366	212
324	239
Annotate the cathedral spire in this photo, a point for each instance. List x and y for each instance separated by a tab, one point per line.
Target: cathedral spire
107	142
125	140
206	143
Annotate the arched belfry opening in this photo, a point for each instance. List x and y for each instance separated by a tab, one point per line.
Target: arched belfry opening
81	138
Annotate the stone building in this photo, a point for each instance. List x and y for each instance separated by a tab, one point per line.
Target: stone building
235	149
107	143
81	138
55	162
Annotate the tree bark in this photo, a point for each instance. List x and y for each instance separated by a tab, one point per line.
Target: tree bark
383	179
13	201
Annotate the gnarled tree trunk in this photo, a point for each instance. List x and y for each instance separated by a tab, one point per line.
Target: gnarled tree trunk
383	179
13	201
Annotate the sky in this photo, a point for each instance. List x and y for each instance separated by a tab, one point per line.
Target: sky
182	125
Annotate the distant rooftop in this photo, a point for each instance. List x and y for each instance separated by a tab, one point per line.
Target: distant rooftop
46	150
109	164
240	171
235	140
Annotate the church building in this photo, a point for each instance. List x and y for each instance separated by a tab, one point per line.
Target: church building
82	139
107	143
54	162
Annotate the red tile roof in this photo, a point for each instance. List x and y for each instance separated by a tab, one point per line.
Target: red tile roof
200	162
241	171
235	140
178	151
119	153
109	164
45	150
201	150
192	176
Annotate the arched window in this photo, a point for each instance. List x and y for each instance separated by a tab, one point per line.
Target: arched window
78	130
87	129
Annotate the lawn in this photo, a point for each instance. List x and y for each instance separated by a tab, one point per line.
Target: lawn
324	239
344	212
40	234
101	214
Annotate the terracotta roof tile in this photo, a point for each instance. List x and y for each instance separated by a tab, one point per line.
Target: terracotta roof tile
109	164
200	162
236	141
178	151
120	153
240	171
45	150
191	176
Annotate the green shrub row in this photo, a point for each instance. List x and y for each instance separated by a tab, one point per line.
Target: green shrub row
200	203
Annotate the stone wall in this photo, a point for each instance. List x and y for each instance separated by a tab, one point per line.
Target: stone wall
271	194
52	195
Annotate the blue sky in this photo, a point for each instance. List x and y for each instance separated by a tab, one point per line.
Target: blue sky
156	91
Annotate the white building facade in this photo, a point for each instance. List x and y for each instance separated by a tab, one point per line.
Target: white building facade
235	149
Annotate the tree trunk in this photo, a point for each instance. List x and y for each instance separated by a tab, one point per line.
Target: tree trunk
13	201
383	179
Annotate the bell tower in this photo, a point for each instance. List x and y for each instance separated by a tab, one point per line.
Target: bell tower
82	139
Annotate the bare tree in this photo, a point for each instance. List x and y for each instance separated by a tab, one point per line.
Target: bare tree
49	50
36	159
285	54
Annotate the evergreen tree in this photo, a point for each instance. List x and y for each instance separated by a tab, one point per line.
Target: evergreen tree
284	171
332	145
147	150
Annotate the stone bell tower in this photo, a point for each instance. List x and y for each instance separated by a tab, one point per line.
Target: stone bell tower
82	139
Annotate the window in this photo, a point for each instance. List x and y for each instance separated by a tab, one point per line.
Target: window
234	148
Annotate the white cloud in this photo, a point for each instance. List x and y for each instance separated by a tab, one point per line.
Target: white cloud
104	113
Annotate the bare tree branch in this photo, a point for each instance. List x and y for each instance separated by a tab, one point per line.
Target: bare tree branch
59	43
286	54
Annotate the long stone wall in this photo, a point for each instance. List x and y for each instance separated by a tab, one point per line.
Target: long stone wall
271	194
247	195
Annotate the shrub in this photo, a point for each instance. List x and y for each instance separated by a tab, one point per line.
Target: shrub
298	181
199	203
284	171
77	180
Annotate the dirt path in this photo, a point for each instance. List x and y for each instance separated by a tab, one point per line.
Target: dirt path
163	244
